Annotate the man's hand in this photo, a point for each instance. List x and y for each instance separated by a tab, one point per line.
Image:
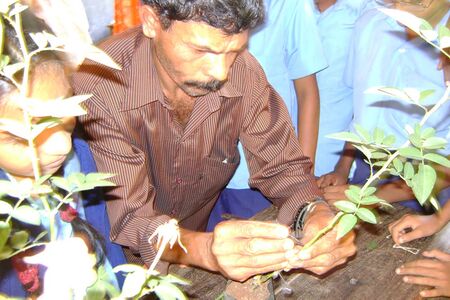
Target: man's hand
246	248
327	252
331	179
433	272
418	226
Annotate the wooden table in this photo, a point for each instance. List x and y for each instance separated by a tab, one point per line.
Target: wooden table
369	275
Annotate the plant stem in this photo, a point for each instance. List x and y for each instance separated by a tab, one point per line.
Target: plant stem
324	230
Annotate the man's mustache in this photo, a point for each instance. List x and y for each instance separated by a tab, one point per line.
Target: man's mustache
212	86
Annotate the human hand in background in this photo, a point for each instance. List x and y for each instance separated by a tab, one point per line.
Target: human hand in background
411	227
332	179
434	272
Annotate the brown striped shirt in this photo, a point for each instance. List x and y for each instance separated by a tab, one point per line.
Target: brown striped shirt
166	171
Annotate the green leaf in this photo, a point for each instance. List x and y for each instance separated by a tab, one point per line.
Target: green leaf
398	164
6	252
345	206
353	194
408	170
345	136
427	132
444	37
40	39
133	283
379	163
175	279
76	179
378	135
389	140
43	179
416	140
437	158
363	133
427	31
17	9
4	61
366	215
369	191
5	230
19	239
434	142
169	291
98	176
423	183
61	183
37	129
27	214
97	55
364	150
369	200
5	207
379	155
410	152
345	225
425	94
128	268
15	127
10	70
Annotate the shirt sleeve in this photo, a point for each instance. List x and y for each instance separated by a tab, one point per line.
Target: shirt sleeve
305	55
277	165
130	203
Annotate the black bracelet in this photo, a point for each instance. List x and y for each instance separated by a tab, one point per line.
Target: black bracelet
300	216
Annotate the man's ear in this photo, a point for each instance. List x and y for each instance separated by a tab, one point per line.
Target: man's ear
150	21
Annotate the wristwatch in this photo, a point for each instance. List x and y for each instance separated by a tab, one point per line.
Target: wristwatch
303	211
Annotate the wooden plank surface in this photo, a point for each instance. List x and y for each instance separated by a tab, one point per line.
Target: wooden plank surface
369	275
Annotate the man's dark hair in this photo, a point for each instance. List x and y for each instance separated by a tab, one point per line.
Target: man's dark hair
231	16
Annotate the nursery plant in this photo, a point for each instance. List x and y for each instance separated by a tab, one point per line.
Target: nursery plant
414	161
31	200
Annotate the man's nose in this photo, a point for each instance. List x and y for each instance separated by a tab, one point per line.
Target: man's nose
219	67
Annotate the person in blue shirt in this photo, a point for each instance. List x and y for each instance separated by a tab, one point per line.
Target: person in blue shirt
86	215
288	47
384	53
335	21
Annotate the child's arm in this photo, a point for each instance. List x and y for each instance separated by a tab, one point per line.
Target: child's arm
421	226
433	272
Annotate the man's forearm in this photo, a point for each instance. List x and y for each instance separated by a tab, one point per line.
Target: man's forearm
198	246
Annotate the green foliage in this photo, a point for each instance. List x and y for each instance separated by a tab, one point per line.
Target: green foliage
140	282
414	160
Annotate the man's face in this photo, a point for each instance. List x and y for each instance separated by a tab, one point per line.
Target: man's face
194	56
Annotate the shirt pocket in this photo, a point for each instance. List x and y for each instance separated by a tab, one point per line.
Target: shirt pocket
215	175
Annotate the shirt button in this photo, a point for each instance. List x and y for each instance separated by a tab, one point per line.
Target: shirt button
179	180
173	212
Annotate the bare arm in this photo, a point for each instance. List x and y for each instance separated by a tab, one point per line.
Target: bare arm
308	117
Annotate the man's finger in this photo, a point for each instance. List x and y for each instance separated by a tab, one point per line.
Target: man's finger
410	236
249	229
241	274
254	246
254	261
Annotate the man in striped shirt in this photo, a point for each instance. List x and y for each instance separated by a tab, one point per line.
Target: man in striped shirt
168	124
